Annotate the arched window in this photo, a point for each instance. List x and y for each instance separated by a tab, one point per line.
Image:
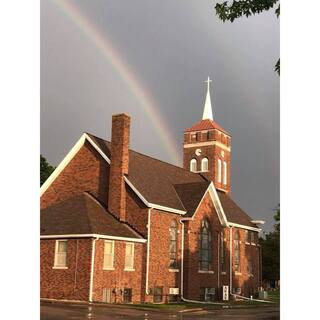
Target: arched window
237	251
224	172
193	165
173	244
205	246
219	170
204	164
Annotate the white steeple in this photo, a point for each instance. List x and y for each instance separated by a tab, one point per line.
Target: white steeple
207	111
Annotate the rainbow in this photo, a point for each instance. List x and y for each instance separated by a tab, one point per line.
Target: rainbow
104	45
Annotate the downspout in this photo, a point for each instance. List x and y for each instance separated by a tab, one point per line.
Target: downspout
92	267
148	250
76	269
219	244
230	238
182	256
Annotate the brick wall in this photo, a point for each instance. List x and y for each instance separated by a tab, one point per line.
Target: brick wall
160	274
72	283
119	278
87	171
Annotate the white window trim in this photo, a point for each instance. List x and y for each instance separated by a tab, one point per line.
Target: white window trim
206	271
225	173
192	162
219	170
125	267
108	268
202	164
174	270
55	264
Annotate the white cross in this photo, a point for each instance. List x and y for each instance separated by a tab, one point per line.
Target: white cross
208	82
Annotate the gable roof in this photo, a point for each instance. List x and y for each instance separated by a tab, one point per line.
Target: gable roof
82	214
155	179
206	124
164	186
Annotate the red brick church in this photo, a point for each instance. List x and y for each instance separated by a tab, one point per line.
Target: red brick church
121	226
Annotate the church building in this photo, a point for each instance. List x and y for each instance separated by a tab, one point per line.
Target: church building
118	226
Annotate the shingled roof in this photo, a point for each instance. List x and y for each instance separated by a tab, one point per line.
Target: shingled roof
155	179
82	214
171	186
206	124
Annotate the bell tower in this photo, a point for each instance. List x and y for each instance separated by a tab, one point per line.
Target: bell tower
207	148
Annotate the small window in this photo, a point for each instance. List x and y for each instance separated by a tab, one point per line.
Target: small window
127	295
173	244
252	237
250	267
204	164
157	294
219	170
247	236
60	257
108	254
129	258
193	165
237	251
224	172
205	246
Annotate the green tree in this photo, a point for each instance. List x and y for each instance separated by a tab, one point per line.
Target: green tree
270	247
229	11
45	169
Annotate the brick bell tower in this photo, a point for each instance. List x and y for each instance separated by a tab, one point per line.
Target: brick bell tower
207	148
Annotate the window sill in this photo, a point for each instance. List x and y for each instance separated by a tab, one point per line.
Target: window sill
223	273
253	244
129	269
174	270
248	243
206	271
106	269
57	267
238	273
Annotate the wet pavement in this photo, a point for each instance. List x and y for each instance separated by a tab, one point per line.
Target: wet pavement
59	311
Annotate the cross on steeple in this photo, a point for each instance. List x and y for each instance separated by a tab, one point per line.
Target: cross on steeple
207	111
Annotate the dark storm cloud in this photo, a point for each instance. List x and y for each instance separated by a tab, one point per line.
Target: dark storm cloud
172	46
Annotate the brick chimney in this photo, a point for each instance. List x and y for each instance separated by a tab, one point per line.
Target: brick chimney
119	165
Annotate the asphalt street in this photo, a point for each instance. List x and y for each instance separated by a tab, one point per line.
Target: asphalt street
59	311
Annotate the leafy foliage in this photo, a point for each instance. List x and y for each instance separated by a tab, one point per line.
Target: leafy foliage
45	169
270	247
227	11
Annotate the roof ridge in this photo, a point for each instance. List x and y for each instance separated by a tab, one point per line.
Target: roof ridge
145	155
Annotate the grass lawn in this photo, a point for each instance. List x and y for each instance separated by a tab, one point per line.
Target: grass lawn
274	295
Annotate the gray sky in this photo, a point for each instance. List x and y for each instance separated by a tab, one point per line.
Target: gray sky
171	47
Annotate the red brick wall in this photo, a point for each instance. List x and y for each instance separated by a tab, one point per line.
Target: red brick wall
119	278
72	283
87	171
159	273
137	212
213	153
119	164
193	280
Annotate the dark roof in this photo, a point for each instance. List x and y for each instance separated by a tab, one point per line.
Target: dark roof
171	186
82	214
233	212
191	195
153	178
206	124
